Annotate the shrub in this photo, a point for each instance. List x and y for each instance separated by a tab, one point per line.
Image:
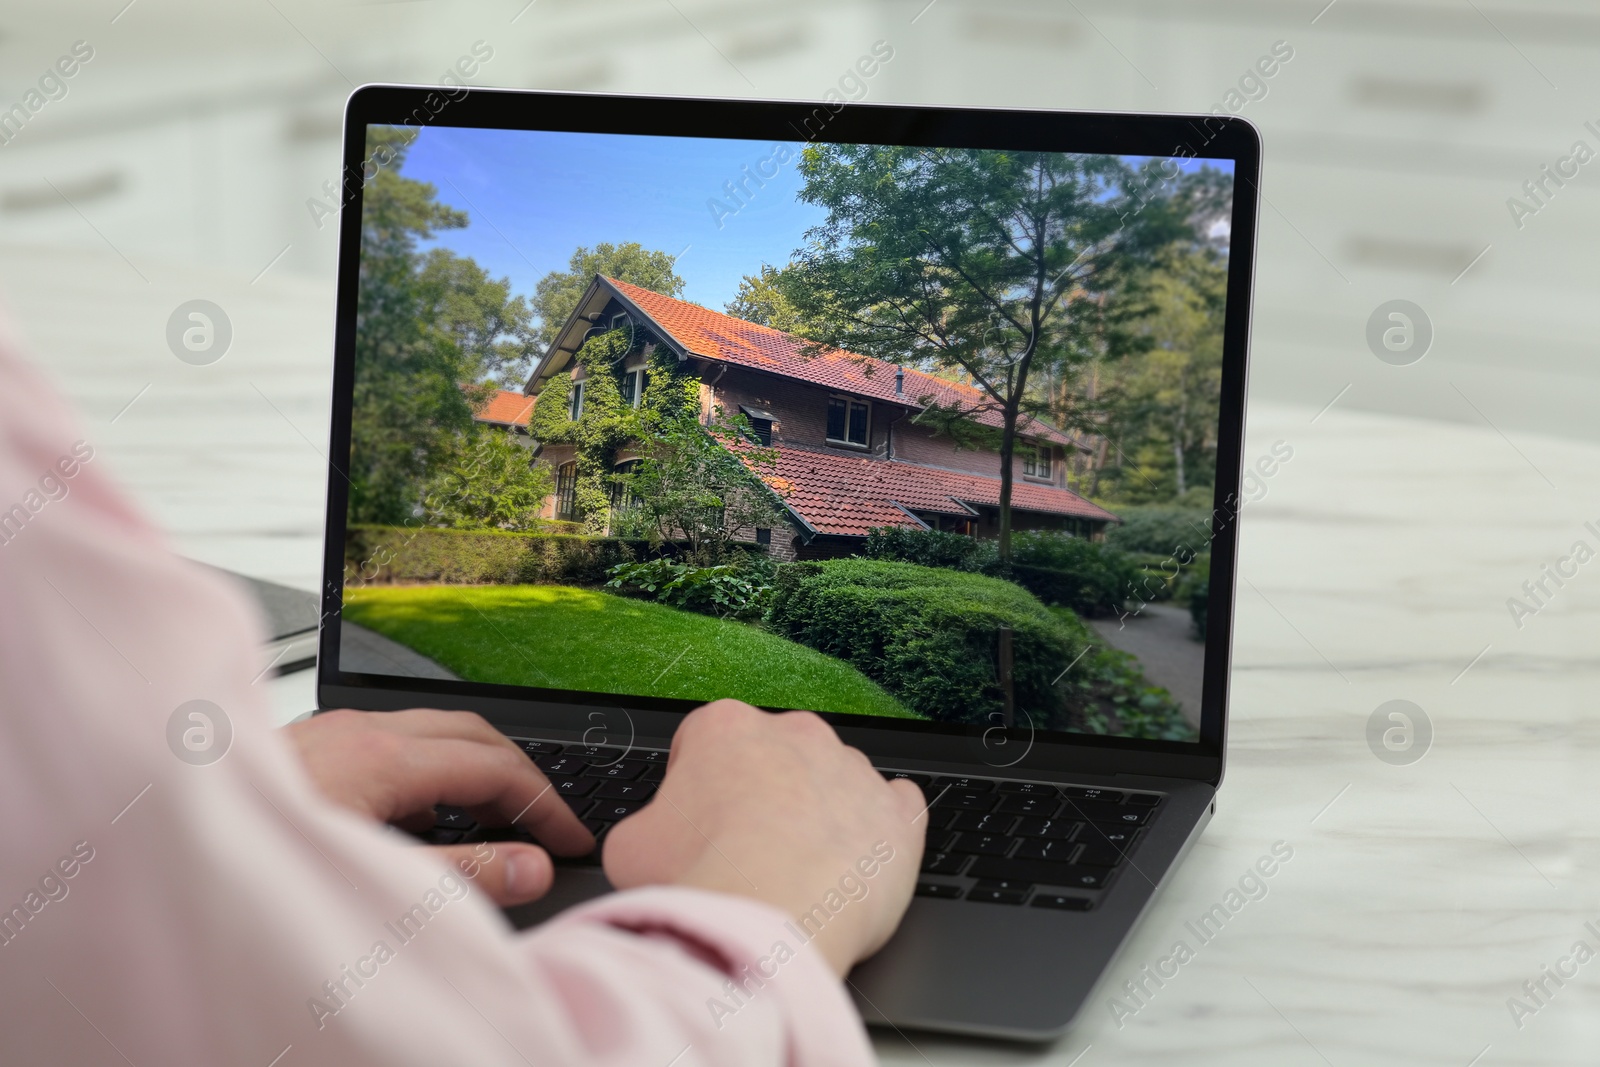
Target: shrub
1195	588
1161	530
1090	577
729	590
929	635
381	554
928	548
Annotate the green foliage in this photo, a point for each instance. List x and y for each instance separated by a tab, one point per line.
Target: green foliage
384	554
490	482
1194	588
726	590
1089	577
928	548
929	635
993	263
761	299
1161	529
425	325
557	293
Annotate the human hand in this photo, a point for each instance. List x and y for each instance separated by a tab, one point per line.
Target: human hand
394	766
776	807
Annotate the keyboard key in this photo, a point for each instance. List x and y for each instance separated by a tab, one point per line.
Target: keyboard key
1062	901
1113	814
651	755
982	844
1101	855
1056	828
982	822
921	780
559	763
654	772
1029	805
943	862
1029	789
611	790
1114	836
967	800
1057	851
1144	800
613	810
995	896
967	785
939	890
569	786
537	748
1039	871
626	769
449	817
1077	792
1005	883
437	836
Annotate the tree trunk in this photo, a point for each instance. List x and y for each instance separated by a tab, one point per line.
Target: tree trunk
1177	454
1008	447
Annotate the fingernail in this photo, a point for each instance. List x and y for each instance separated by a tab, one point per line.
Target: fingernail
522	873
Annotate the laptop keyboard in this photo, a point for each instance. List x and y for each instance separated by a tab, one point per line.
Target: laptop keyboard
989	840
1003	842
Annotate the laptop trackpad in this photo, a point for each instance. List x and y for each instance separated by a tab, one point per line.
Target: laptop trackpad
573	885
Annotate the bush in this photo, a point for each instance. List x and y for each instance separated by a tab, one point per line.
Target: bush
930	635
729	590
382	554
928	548
1162	530
1090	577
1195	588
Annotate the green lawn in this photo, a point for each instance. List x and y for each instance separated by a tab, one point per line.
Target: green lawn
561	637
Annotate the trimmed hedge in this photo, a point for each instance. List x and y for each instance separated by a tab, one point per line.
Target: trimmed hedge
928	548
1090	577
1162	530
383	554
929	635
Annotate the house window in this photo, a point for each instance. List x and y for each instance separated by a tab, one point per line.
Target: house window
1036	462
619	321
633	383
567	492
761	430
623	498
575	403
848	420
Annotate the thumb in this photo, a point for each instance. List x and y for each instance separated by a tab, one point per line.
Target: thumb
507	872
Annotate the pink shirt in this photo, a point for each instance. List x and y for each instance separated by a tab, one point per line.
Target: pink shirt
155	912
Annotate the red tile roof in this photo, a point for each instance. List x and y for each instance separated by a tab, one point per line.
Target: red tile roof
726	339
506	408
849	494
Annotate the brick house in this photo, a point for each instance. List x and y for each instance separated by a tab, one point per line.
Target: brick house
850	458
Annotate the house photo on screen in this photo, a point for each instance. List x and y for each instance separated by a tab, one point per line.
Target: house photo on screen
903	432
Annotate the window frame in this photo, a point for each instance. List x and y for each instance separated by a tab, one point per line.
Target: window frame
566	492
575	402
637	377
1037	463
850	403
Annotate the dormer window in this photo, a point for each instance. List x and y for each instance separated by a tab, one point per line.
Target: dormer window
1036	463
849	421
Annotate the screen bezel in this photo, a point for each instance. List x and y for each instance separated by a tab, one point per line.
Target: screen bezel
648	720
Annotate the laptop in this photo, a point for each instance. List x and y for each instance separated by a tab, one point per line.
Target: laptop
643	402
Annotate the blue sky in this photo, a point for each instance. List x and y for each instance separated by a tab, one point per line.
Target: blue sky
532	197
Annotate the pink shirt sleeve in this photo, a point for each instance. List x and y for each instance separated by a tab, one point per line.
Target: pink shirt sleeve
155	910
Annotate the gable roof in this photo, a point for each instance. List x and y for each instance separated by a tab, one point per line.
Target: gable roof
722	338
506	408
849	495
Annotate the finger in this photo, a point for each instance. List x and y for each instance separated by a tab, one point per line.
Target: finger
508	872
720	718
431	722
908	799
489	781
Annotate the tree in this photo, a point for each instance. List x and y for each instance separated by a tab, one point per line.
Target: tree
429	329
492	330
491	482
409	407
1172	392
992	263
558	293
761	300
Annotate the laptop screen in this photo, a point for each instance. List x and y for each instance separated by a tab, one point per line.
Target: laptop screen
924	434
